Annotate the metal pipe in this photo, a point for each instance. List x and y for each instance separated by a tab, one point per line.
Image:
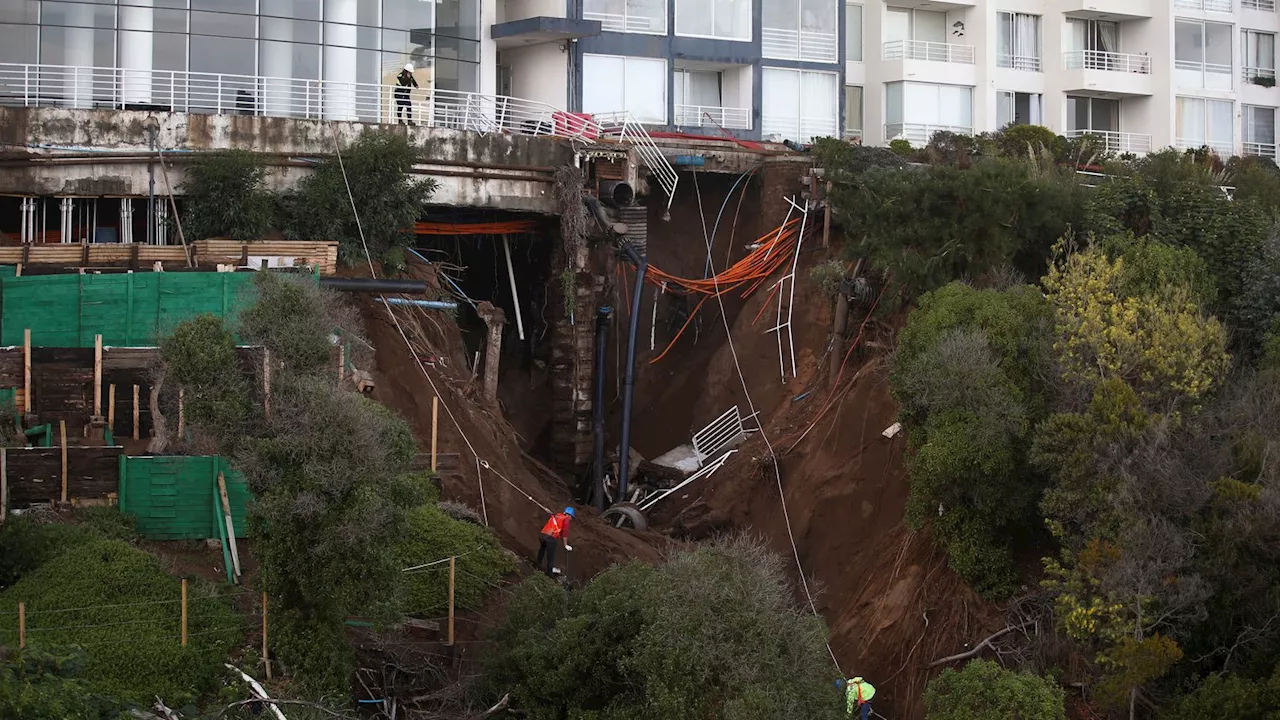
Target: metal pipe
430	304
624	448
379	286
617	193
515	296
603	316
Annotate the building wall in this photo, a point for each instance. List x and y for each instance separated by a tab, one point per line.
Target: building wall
538	72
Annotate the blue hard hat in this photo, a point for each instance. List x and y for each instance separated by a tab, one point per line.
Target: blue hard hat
569	511
839	683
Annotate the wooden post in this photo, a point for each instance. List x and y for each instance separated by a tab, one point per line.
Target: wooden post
137	426
97	376
26	371
452	563
111	407
184	612
266	659
62	432
266	386
342	360
181	414
231	528
22	625
4	484
435	423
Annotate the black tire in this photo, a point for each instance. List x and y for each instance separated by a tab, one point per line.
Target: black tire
628	513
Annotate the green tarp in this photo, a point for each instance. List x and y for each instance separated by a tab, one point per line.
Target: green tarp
172	497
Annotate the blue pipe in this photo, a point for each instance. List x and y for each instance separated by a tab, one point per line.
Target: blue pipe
447	279
431	304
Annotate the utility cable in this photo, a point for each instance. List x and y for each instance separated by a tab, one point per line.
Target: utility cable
773	456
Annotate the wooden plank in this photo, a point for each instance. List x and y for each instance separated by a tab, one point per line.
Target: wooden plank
62	432
26	369
97	376
4	484
137	428
111	407
231	528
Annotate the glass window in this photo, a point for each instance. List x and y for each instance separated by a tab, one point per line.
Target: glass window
244	7
800	30
698	88
295	9
643	90
1203	122
19	11
152	51
223	55
288	60
78	46
17	44
853	33
1016	108
78	15
295	30
408	14
1093	114
632	16
209	23
915	111
1259	50
1202	54
853	111
724	19
452	47
1259	130
1018	41
148	19
458	18
800	105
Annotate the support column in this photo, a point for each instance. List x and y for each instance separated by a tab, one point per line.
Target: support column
126	220
137	50
67	217
494	318
276	70
340	64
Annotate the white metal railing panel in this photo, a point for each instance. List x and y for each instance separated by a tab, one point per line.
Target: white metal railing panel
1020	62
1222	148
1223	6
710	115
706	471
1264	5
1109	61
1267	150
1250	74
931	51
719	435
798	129
214	93
807	45
627	23
1116	142
919	133
626	129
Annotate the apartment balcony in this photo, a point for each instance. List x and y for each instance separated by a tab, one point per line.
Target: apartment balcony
928	51
1109	10
1255	149
1095	71
1116	142
1219	6
918	134
1263	5
803	45
711	116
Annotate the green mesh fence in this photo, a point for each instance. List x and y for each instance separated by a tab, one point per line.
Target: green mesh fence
172	498
128	310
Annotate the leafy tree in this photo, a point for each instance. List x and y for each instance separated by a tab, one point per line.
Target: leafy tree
714	632
1230	696
226	197
983	690
388	198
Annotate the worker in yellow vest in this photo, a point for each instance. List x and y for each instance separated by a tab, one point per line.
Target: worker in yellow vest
858	694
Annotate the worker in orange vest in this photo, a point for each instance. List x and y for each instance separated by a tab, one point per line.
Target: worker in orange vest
556	529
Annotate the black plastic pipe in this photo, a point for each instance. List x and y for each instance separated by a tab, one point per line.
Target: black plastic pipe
603	315
641	261
404	287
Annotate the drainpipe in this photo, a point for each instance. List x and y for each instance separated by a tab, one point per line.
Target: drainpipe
429	304
641	261
603	315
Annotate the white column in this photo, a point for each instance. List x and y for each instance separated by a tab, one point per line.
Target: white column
68	207
79	55
277	71
136	51
339	89
162	226
126	220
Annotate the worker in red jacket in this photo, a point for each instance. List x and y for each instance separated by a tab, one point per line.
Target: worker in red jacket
556	529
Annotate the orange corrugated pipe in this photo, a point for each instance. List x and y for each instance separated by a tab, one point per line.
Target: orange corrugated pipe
506	227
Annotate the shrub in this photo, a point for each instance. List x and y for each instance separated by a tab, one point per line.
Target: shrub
983	690
433	535
225	197
1029	141
37	685
117	603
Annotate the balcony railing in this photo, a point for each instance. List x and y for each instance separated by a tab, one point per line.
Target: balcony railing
1259	76
931	51
1109	61
1223	6
799	129
1019	62
806	45
1265	5
1214	76
1256	149
1225	149
919	134
713	116
1116	142
628	23
217	94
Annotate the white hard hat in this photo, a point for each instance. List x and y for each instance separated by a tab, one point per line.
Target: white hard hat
408	67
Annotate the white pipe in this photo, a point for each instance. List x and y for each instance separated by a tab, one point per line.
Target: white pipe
791	302
515	298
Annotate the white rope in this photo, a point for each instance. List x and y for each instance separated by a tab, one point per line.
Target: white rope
773	456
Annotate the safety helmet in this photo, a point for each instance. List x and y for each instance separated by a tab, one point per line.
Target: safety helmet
408	67
569	511
839	683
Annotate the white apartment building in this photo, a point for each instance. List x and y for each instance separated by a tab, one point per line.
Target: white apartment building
1143	74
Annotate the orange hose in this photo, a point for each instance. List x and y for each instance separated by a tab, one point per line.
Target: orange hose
508	227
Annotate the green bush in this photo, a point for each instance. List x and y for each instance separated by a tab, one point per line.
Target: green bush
36	685
983	690
712	633
118	604
226	197
1230	696
433	535
1029	141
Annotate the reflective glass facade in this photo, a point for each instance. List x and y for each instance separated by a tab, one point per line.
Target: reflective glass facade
343	41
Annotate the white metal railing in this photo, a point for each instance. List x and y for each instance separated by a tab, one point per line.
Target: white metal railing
627	22
1224	149
1266	5
1020	62
1267	150
1259	73
932	51
1215	76
626	129
719	435
806	45
711	115
1116	142
800	129
1209	5
920	133
213	93
1110	61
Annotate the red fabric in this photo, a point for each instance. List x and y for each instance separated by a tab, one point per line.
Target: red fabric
557	527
